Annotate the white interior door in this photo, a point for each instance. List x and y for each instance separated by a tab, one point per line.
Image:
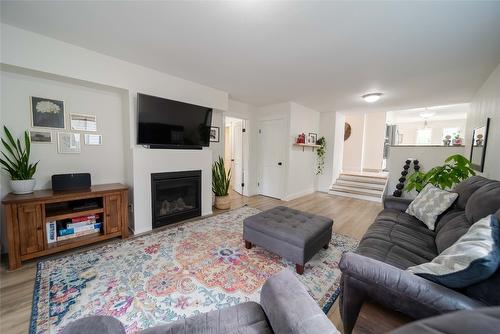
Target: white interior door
237	156
272	146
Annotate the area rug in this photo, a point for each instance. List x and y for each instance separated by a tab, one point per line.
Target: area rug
181	271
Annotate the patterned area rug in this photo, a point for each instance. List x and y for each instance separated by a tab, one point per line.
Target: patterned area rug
178	272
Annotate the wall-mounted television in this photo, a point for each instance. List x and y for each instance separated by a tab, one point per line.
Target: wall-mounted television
166	123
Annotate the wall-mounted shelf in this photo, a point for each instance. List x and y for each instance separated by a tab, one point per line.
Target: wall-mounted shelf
312	146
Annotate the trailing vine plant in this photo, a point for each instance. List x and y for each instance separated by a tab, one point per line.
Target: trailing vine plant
320	152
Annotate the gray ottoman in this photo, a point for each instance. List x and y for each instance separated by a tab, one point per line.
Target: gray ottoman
295	235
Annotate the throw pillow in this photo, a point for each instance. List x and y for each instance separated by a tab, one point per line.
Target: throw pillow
430	203
472	259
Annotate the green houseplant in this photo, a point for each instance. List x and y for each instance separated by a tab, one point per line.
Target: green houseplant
220	184
320	153
456	169
16	161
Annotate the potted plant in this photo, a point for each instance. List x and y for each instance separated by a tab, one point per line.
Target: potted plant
16	162
456	169
220	185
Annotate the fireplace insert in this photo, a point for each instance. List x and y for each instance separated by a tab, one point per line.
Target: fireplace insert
175	196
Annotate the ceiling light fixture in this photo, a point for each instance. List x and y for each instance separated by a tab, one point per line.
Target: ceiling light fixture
372	97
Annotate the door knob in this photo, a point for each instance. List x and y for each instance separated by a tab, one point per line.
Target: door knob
280	163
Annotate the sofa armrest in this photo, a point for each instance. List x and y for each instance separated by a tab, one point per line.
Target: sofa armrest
290	309
401	290
396	203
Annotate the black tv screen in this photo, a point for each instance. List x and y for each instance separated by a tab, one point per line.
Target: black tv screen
166	123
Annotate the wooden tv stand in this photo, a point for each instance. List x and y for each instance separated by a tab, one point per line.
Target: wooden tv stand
27	215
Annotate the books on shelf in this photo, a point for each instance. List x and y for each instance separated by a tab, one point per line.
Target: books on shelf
51	228
72	228
78	229
78	234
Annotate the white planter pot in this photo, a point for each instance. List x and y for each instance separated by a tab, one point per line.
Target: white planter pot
20	187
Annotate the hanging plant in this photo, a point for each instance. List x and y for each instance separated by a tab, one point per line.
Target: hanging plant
320	152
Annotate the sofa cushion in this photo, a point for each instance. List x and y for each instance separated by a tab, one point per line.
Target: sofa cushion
398	239
430	203
452	230
242	318
485	201
472	259
447	217
466	188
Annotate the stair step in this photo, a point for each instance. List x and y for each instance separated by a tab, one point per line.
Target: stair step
363	197
373	176
364	179
363	185
367	192
359	191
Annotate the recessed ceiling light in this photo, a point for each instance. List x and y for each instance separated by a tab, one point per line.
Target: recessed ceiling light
372	97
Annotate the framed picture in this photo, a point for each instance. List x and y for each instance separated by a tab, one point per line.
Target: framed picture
91	139
44	137
312	138
47	113
214	134
81	122
68	143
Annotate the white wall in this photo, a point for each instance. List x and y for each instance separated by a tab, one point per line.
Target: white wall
353	147
36	52
428	157
486	103
105	162
409	130
301	163
218	148
373	147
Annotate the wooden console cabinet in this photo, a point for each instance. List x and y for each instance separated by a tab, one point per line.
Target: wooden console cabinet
27	215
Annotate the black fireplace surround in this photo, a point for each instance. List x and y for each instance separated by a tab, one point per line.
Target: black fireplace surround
175	196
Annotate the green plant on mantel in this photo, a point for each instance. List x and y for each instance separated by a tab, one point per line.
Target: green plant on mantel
320	152
220	179
456	169
18	164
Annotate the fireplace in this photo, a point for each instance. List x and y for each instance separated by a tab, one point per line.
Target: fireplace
175	196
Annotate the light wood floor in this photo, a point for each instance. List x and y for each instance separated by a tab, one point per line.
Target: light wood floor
351	217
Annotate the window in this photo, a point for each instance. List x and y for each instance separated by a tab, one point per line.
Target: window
424	136
450	131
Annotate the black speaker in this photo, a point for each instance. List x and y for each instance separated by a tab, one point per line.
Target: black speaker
77	181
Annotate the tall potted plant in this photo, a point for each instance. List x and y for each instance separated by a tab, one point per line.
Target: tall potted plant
16	161
220	185
456	169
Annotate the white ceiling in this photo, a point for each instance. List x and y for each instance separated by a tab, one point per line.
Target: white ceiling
324	55
441	113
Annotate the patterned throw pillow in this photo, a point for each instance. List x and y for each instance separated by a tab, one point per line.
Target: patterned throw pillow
472	259
430	203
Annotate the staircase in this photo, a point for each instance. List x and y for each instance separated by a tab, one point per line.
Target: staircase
367	186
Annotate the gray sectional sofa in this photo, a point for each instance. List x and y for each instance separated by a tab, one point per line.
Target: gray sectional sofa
396	241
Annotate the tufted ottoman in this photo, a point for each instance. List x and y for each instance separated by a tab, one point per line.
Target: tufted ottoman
295	235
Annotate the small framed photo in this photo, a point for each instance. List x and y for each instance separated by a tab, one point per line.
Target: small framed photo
42	137
47	113
68	143
214	134
91	139
312	138
79	122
